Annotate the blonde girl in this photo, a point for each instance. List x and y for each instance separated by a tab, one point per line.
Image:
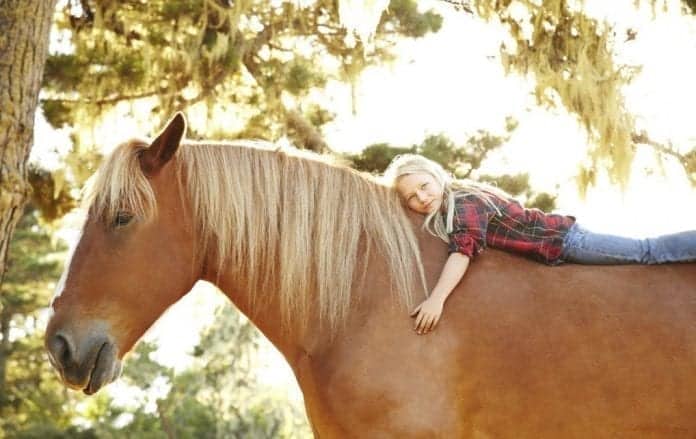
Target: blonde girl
471	217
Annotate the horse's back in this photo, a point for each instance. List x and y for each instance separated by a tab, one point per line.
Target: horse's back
524	350
578	351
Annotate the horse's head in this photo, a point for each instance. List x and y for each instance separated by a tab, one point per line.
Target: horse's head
134	259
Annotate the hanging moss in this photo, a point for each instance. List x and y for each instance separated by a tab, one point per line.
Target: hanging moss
569	56
691	5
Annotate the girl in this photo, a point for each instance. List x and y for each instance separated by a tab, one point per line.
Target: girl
471	217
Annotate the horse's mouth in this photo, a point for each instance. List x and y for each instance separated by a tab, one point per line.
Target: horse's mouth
106	368
84	363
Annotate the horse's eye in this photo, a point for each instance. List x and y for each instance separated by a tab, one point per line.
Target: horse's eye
122	219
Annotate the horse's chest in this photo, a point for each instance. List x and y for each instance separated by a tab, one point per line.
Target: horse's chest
385	391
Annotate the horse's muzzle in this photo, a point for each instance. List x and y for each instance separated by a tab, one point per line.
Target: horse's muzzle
85	365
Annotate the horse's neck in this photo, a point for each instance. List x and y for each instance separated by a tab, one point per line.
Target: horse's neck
266	316
367	289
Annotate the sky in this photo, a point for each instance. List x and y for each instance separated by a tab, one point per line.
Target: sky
452	82
435	88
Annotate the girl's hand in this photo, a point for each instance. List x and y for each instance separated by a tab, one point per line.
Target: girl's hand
427	314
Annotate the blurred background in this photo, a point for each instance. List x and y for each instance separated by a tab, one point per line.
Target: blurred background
583	107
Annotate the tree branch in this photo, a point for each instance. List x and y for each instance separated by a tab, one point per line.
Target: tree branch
164	421
5	319
109	100
306	132
668	150
460	5
644	139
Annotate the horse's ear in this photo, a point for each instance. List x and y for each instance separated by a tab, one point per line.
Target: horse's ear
162	149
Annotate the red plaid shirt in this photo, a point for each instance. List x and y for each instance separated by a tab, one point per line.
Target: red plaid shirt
529	232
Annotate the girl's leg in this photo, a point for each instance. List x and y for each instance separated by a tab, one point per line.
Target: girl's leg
585	247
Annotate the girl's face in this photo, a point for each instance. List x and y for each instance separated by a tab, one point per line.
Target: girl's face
421	192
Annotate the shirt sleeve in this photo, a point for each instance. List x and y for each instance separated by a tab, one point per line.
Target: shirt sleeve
470	224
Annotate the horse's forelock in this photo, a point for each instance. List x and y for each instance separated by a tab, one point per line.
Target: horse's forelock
121	185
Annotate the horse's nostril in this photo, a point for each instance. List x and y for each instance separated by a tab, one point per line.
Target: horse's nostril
59	350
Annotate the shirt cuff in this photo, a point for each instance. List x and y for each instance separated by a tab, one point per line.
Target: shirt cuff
465	245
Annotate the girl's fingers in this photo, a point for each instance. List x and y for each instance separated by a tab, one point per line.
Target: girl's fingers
431	323
436	320
425	324
419	320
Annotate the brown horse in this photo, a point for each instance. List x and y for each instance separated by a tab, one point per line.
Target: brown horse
310	252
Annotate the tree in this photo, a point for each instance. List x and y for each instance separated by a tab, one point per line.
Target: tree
571	57
256	60
31	399
463	161
217	397
23	48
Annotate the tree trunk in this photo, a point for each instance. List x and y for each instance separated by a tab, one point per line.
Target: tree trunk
24	31
5	318
165	422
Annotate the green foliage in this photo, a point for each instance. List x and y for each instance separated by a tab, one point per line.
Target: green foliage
515	185
171	55
47	431
412	23
57	112
218	396
50	193
691	6
32	267
375	158
225	364
80	163
109	421
63	70
301	75
518	186
463	161
542	201
141	370
32	402
319	116
460	160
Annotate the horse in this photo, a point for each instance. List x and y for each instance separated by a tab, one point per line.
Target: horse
327	262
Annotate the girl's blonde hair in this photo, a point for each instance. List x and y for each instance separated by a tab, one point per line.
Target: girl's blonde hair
435	222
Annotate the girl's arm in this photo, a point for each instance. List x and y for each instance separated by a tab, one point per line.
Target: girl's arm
428	313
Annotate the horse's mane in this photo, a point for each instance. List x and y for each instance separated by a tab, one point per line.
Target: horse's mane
286	220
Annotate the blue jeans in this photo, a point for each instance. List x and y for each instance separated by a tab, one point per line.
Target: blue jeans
585	247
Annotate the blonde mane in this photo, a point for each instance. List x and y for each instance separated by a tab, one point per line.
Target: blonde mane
289	222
